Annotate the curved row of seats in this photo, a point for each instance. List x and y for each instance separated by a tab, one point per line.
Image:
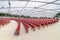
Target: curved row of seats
36	22
29	22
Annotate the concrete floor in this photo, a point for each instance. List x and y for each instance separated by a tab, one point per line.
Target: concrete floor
52	32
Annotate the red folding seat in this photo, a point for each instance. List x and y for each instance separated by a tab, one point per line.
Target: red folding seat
18	29
3	21
32	25
26	25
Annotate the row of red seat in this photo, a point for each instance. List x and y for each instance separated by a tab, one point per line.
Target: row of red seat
37	22
3	21
30	22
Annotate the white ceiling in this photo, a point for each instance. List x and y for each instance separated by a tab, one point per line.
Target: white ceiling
47	8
